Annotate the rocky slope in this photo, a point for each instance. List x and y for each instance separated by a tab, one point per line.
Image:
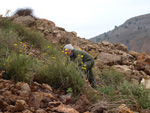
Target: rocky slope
41	98
134	33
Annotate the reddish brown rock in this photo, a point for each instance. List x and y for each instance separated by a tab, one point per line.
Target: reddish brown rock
82	105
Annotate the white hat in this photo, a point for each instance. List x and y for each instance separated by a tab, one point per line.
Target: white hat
68	47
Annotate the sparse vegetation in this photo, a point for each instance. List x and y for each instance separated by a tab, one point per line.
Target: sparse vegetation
114	83
116	27
24	12
22	64
129	23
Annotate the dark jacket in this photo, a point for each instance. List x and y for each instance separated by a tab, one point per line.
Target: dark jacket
81	56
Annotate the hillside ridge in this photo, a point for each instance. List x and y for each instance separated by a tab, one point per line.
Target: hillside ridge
134	33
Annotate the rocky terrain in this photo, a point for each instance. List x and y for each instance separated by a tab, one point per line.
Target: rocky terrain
41	98
134	33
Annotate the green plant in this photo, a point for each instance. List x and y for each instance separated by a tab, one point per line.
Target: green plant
19	67
137	92
69	90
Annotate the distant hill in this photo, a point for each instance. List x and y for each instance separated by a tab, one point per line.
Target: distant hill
134	33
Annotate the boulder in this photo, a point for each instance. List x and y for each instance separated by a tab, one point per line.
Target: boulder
146	82
25	20
65	98
121	47
82	104
105	43
143	57
46	87
41	99
123	69
133	53
59	107
109	59
23	86
20	105
93	53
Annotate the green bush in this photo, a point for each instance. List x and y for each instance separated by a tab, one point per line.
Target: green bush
58	75
32	37
19	67
114	83
137	92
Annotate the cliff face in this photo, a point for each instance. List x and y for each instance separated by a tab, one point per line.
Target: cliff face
134	33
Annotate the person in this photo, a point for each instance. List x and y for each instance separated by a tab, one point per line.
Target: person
85	61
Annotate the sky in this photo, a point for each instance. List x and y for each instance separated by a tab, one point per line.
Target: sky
88	18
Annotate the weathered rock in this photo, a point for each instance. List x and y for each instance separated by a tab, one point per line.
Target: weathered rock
124	109
133	53
105	43
27	111
82	105
147	69
40	111
121	47
93	53
123	69
109	59
99	107
143	57
45	25
146	82
46	87
23	86
41	98
20	105
65	98
25	20
65	109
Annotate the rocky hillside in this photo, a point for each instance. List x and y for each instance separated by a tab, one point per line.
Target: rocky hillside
134	33
41	98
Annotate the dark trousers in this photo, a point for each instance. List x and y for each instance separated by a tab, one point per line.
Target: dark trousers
89	64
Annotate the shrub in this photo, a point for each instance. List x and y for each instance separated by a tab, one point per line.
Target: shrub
57	74
19	67
24	34
24	12
140	95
